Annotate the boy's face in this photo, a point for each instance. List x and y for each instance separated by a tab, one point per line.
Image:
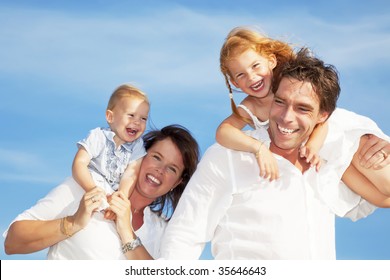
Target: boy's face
252	73
294	114
128	119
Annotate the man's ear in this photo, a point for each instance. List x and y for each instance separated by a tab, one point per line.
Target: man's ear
323	116
109	116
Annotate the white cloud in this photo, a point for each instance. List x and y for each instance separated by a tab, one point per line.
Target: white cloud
175	46
357	43
21	166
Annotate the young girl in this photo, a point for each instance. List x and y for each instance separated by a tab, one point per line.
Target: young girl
109	158
248	61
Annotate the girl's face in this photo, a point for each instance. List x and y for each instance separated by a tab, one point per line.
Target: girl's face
252	73
161	170
128	119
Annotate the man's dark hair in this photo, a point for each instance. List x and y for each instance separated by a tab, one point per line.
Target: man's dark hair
323	77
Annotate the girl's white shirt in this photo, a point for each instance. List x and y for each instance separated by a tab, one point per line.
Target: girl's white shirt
256	123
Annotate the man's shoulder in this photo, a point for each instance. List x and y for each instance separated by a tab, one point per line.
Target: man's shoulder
217	151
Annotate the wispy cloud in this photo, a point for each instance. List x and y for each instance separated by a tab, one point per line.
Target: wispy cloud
59	46
21	166
362	42
177	47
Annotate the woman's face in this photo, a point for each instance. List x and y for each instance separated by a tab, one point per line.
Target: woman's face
161	170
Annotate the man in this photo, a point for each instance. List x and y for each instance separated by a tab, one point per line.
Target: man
247	217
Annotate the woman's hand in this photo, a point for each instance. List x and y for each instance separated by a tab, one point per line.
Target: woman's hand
374	153
89	203
120	205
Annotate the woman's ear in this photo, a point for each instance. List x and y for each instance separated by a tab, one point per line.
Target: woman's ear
109	116
177	183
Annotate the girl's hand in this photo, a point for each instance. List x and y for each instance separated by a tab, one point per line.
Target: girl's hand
375	153
267	163
311	156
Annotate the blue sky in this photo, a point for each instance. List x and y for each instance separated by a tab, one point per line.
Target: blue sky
60	61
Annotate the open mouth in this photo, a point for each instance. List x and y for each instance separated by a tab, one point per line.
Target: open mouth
131	131
153	179
286	131
258	85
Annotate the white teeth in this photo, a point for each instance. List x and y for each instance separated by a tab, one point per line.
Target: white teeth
131	131
153	179
257	86
286	130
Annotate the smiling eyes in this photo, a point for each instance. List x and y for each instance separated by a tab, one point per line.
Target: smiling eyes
143	119
300	108
169	168
255	66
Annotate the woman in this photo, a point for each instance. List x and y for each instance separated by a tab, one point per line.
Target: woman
66	220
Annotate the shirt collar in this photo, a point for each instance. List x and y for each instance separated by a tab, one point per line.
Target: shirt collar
110	136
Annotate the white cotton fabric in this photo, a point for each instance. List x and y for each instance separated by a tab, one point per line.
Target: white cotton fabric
246	217
256	122
99	239
109	162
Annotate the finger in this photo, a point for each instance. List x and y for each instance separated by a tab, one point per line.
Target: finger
110	215
382	164
277	174
95	193
309	158
262	168
370	149
318	165
273	171
122	195
95	199
369	143
119	202
375	159
267	171
314	161
302	151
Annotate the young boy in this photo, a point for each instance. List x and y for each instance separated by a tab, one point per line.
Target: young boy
109	158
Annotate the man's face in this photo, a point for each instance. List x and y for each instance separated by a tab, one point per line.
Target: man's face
294	114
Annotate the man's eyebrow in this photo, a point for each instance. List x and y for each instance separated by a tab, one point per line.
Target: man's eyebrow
277	96
306	105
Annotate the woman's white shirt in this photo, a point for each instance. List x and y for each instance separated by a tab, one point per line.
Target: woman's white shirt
99	239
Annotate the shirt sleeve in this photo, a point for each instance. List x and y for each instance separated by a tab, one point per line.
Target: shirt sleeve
138	150
342	142
61	201
94	143
202	205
